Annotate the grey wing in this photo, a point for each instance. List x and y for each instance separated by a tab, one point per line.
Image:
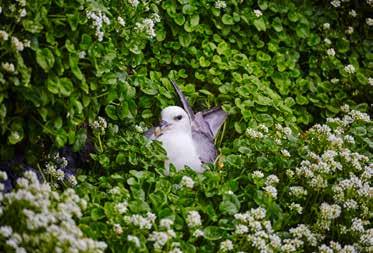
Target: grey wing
215	118
205	147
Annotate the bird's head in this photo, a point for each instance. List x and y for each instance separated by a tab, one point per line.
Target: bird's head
174	118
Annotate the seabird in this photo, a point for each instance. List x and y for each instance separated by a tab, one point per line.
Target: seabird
188	137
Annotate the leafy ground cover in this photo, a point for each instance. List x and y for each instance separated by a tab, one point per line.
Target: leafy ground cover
81	81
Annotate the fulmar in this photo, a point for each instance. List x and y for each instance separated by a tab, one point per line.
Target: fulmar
188	137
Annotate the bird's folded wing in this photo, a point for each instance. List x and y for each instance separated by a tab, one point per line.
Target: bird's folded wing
205	147
215	118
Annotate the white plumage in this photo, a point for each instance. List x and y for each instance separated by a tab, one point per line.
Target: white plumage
176	138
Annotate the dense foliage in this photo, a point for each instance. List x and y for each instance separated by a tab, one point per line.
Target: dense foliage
91	76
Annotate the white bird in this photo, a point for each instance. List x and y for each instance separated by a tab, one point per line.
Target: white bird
188	137
176	137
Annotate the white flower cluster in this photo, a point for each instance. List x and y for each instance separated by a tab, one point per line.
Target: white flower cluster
100	124
146	26
220	4
193	219
133	3
258	13
142	222
8	67
48	217
350	68
54	169
336	3
122	207
330	52
161	238
253	133
187	182
258	231
99	19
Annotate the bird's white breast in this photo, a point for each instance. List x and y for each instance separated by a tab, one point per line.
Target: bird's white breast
181	151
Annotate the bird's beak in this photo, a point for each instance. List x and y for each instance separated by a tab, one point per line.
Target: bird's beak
164	124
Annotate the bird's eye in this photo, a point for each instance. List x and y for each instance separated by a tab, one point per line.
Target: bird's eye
179	117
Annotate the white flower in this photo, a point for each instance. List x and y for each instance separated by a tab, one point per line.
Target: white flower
122	207
6	231
118	229
330	52
23	13
350	30
4	35
121	21
17	44
336	3
198	233
82	54
187	182
241	229
72	180
296	207
60	174
220	4
226	245
370	81
146	26
155	17
285	153
330	212
193	219
133	3
20	250
253	133
334	80
350	69
176	250
8	67
159	238
326	26
369	21
258	13
3	175
272	180
271	191
140	221
327	41
134	239
257	174
115	190
352	13
166	223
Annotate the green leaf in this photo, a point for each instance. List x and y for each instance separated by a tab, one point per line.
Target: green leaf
213	233
302	30
45	59
80	139
361	78
194	20
227	19
260	24
342	45
111	112
97	213
73	61
185	39
65	86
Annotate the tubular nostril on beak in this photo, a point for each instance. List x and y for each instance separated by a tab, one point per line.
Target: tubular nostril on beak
163	124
